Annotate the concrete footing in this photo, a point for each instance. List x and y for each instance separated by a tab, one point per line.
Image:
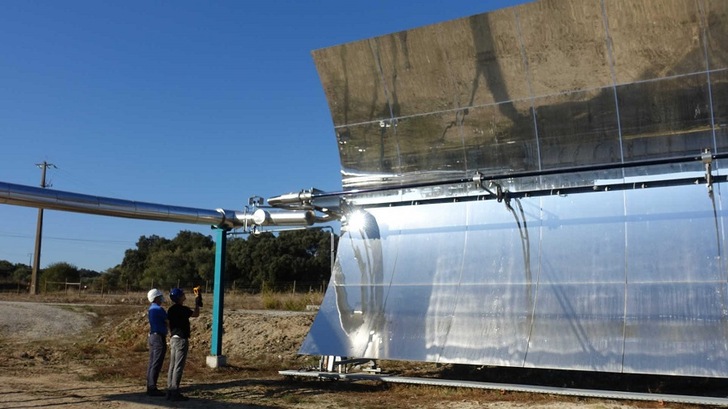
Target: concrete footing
216	361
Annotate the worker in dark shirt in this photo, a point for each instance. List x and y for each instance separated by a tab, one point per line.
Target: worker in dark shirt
157	340
179	328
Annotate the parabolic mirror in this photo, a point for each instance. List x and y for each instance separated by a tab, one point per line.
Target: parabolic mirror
539	186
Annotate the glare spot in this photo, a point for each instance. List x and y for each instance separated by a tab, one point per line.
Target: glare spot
357	220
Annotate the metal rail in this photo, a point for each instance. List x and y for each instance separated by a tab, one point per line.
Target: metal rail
478	177
307	198
550	390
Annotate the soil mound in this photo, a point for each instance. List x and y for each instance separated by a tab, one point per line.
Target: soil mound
248	334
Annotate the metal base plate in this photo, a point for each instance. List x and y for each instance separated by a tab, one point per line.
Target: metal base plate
592	393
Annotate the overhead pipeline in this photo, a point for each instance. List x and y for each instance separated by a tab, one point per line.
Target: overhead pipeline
30	196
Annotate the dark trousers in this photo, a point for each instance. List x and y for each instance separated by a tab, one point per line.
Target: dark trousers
177	356
157	349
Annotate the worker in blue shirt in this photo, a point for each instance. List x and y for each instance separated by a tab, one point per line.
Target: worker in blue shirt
157	340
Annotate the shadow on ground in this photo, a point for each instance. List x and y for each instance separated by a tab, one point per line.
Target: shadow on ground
251	393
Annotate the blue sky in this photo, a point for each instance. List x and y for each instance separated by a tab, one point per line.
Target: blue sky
187	103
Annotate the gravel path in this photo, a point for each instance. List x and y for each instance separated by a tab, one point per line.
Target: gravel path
34	321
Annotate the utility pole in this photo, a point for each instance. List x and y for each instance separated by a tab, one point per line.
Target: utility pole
39	231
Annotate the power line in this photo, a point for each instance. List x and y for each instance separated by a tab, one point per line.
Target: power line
82	183
26	236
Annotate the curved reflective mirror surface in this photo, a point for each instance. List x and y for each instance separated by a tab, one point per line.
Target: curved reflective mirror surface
530	187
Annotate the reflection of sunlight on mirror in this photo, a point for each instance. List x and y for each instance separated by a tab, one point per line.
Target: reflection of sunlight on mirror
356	220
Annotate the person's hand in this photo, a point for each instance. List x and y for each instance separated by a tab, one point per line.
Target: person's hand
198	297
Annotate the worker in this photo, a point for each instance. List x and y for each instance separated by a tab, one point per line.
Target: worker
179	328
157	340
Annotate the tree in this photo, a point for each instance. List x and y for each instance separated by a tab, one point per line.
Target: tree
22	273
269	260
261	260
188	241
6	270
114	278
203	262
59	273
238	256
136	260
262	256
166	269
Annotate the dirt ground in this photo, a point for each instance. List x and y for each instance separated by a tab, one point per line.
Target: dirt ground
94	356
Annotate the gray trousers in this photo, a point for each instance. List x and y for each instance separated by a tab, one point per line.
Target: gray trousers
177	356
157	350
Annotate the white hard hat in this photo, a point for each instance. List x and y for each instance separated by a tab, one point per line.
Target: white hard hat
154	293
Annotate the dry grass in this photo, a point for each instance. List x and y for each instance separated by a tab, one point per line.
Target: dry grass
268	300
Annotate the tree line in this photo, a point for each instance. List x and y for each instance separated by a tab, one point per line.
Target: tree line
253	263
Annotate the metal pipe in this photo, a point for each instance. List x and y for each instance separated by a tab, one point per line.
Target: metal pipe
291	218
29	196
287	199
478	177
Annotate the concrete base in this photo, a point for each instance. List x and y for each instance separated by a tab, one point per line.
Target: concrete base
216	361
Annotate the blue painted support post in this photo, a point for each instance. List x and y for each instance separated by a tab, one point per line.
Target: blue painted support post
216	359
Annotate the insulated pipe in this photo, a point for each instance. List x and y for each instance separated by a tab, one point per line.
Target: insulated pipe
288	199
265	218
37	197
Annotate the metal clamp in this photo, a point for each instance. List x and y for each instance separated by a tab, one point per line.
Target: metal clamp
707	158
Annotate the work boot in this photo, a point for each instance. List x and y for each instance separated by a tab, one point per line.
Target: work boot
178	397
154	392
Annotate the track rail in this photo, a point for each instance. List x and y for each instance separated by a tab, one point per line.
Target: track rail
550	390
